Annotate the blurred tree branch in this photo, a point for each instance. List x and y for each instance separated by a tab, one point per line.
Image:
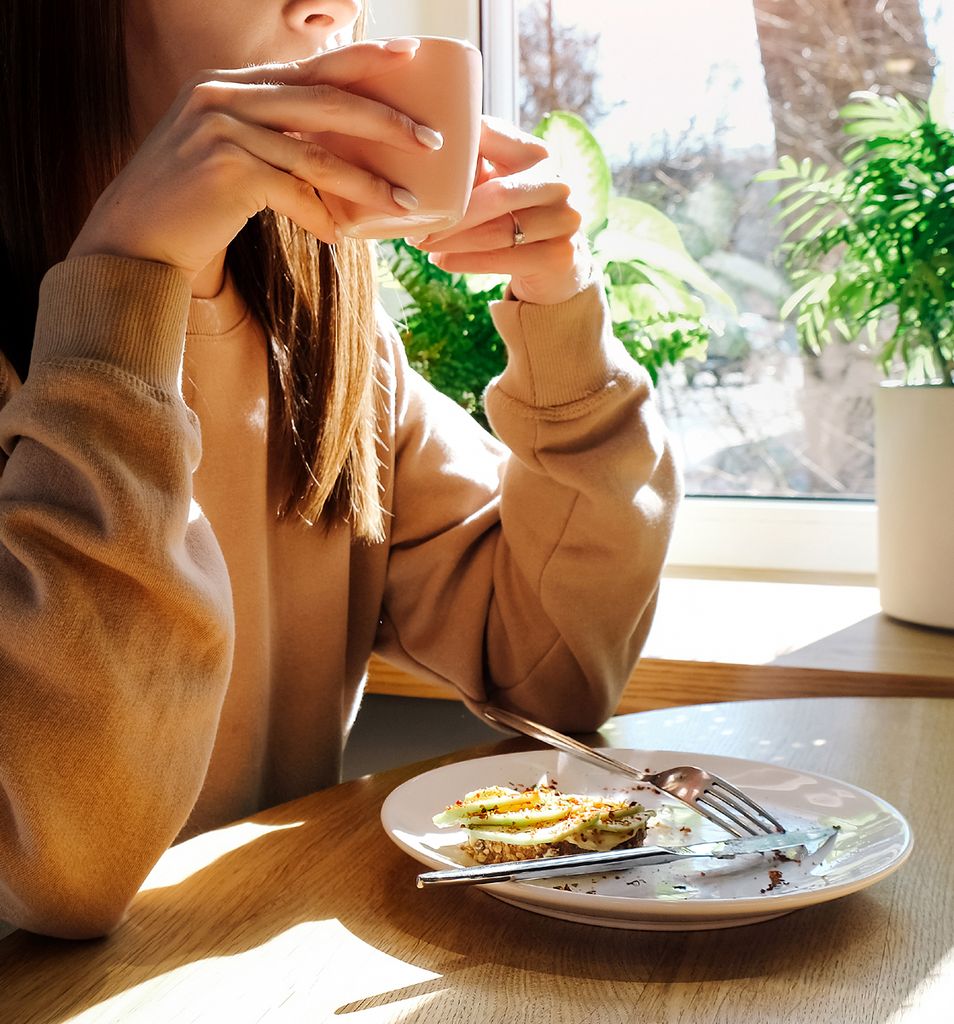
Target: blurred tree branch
558	67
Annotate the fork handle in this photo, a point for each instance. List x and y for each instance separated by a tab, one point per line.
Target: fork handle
565	743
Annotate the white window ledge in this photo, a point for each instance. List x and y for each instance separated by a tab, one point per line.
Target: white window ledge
808	535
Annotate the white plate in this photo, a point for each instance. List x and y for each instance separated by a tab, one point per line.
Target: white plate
874	840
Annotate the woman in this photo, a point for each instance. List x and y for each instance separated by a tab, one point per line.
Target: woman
183	642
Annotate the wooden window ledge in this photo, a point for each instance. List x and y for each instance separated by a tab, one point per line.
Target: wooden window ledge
720	637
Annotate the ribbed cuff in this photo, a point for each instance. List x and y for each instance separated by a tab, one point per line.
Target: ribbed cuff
126	312
558	354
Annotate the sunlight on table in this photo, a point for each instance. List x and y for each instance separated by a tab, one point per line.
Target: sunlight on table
931	999
286	977
180	862
751	622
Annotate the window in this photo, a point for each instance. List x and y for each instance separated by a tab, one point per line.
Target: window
690	99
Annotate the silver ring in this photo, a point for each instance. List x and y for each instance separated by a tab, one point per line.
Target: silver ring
518	236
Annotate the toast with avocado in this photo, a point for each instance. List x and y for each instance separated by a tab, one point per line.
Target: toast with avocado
505	824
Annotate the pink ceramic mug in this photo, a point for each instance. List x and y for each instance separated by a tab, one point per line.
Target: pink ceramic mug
442	89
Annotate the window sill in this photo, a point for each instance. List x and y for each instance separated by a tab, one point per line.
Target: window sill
781	535
748	635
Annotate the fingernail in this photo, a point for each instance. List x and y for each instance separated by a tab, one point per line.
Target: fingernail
433	257
415	241
403	44
404	198
428	137
339	235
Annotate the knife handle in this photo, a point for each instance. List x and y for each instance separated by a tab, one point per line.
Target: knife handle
551	867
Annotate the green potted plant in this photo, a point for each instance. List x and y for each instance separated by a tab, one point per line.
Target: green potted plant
870	250
656	290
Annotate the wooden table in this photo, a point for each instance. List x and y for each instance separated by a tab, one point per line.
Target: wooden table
307	912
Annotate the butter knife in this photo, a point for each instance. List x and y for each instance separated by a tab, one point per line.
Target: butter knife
597	862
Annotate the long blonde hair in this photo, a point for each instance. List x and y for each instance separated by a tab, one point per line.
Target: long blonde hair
63	91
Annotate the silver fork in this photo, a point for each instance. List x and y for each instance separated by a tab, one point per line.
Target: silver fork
710	795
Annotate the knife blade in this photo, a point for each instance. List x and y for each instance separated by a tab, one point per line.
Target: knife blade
597	862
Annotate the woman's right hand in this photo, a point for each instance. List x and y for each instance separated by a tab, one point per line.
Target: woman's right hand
236	142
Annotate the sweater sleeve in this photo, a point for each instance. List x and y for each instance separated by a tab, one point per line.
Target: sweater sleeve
115	607
526	572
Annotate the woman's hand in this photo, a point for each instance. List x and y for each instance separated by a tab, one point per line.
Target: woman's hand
516	186
236	142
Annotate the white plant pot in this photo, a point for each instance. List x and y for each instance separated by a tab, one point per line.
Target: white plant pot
914	485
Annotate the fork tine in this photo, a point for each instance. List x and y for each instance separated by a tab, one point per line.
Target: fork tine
729	805
714	802
717	819
744	804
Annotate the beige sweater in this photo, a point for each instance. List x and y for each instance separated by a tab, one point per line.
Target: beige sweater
173	657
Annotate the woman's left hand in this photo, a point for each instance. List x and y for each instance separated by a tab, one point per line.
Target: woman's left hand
516	186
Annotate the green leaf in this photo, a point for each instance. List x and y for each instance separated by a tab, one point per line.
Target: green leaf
639	232
624	273
843	329
787	163
798	222
626	216
671	295
654	259
806	197
581	164
819	226
785	193
639	302
795	300
772	174
932	282
875	115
